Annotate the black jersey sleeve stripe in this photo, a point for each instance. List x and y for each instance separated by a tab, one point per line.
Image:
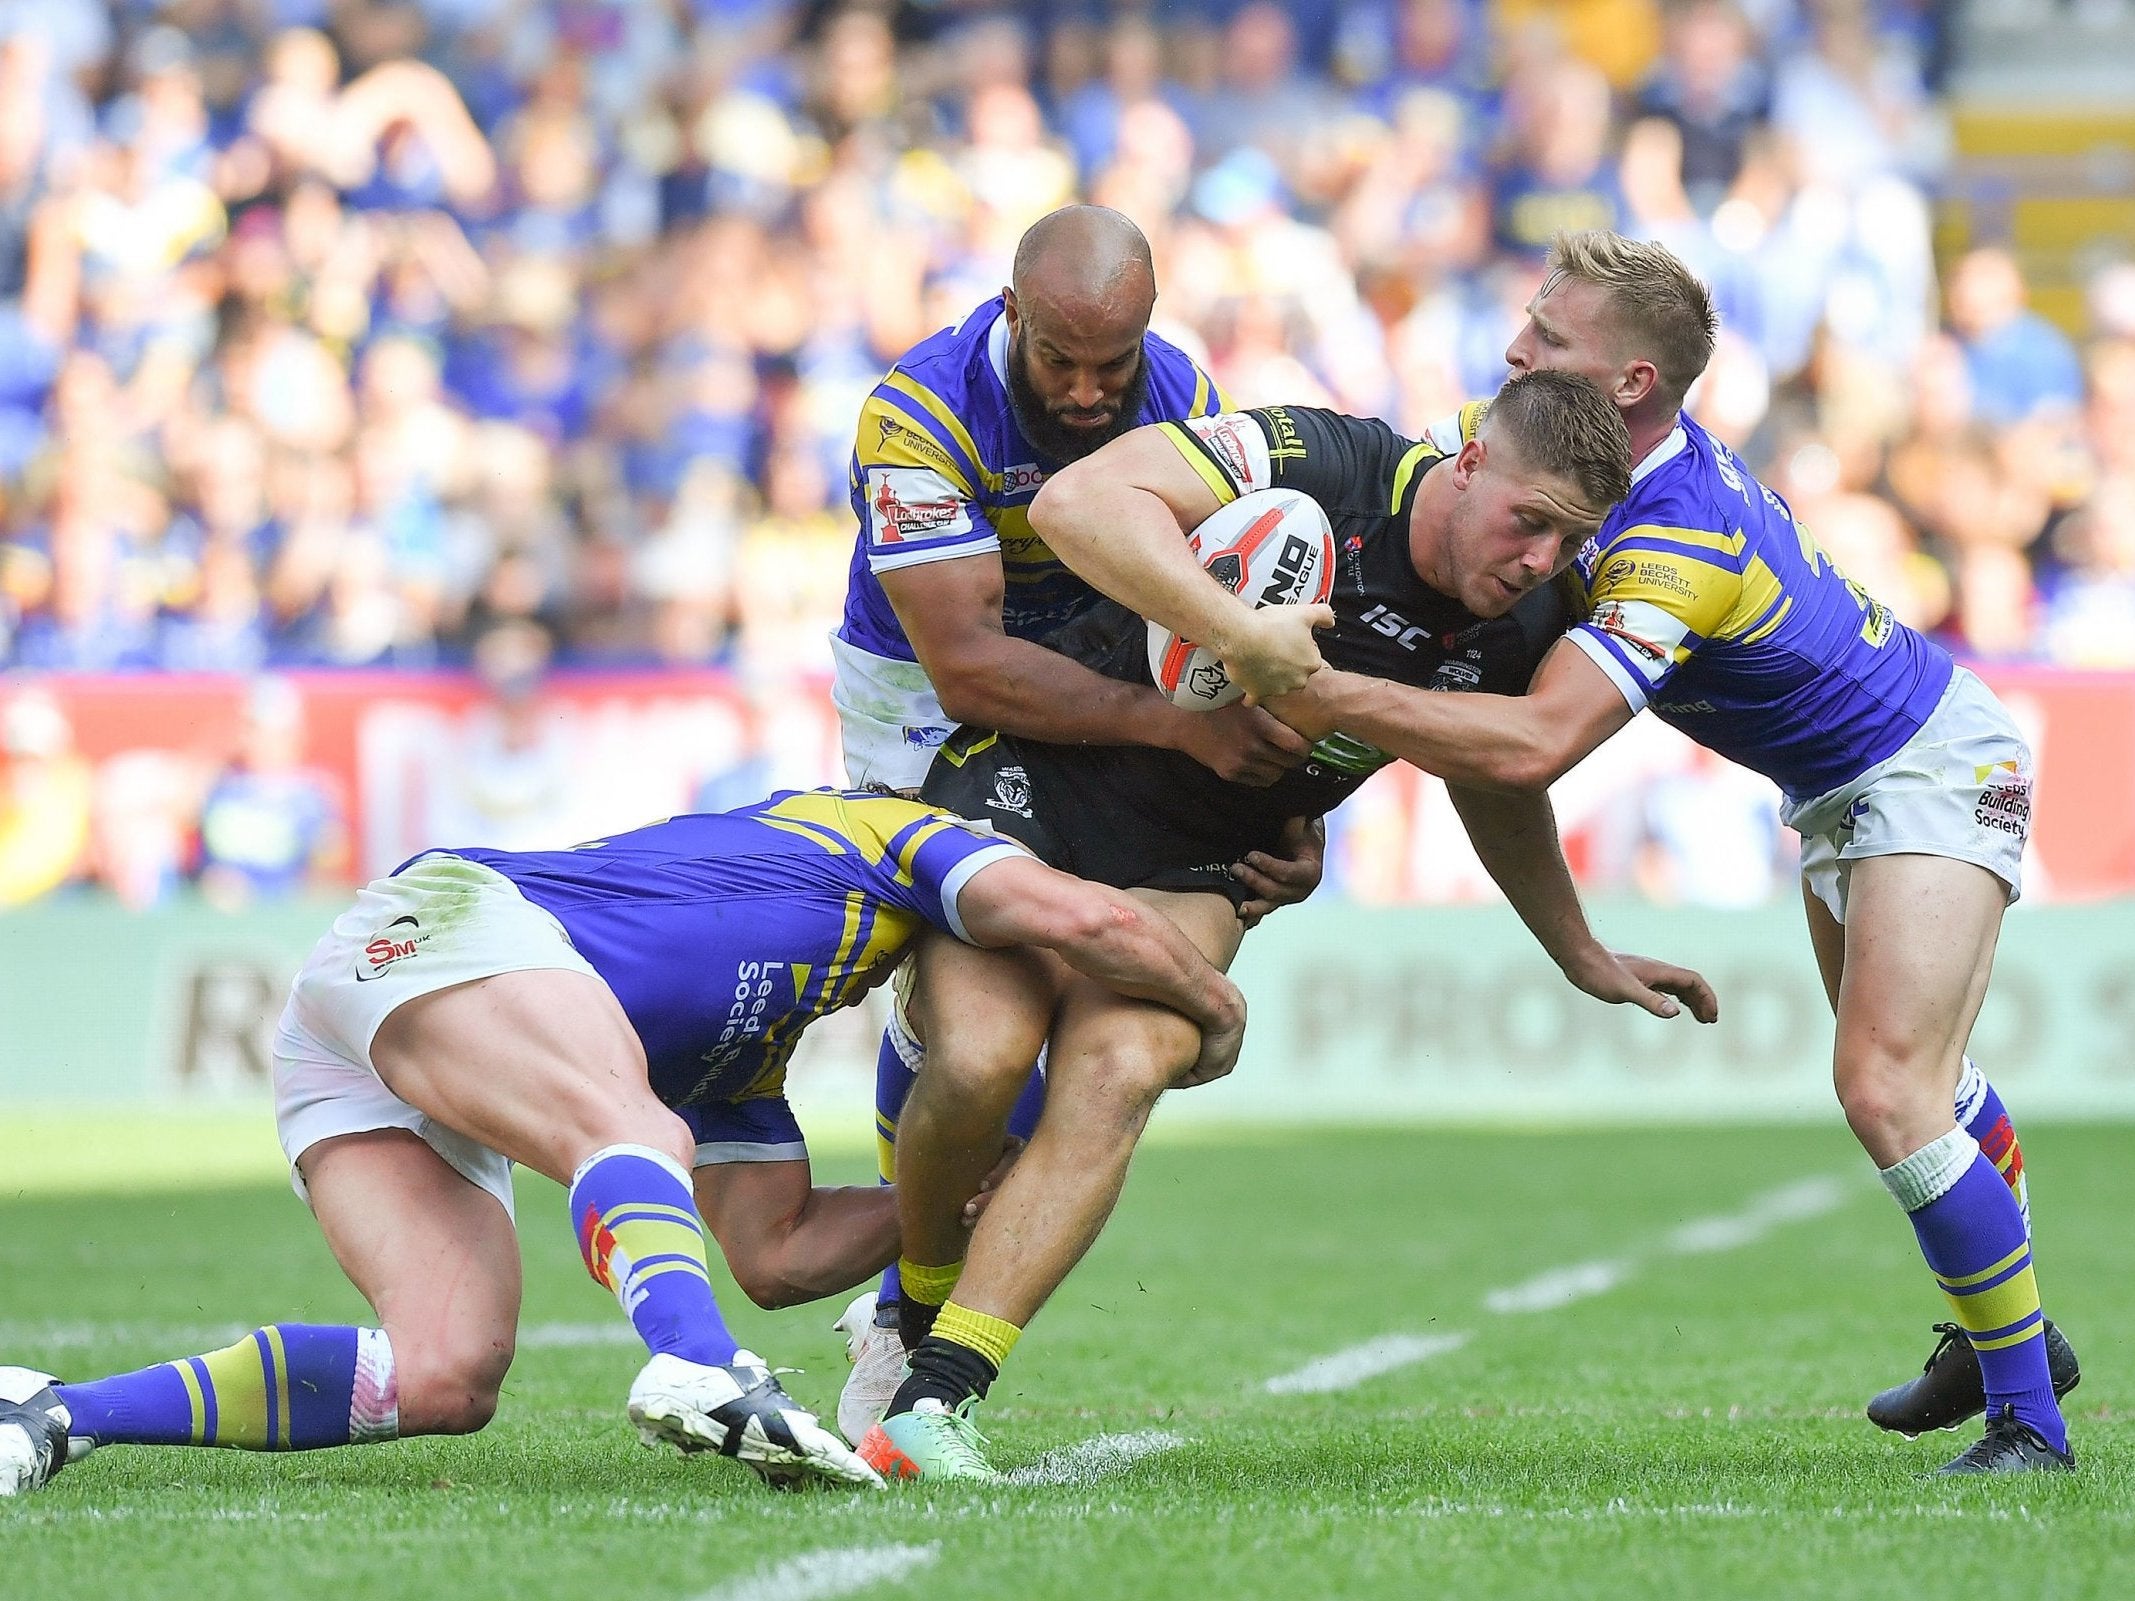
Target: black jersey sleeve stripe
1203	461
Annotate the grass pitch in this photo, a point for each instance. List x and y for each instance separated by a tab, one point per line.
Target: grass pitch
1610	1364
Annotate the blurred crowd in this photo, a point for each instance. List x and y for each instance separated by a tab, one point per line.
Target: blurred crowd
338	332
356	332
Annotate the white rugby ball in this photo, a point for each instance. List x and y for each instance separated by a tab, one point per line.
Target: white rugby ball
1270	548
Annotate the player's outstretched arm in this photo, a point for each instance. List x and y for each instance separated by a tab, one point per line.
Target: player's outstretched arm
951	612
1113	938
1517	742
1116	518
1515	835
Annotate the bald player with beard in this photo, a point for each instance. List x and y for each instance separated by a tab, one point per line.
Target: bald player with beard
953	595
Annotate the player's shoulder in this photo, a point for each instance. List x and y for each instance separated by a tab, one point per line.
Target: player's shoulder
1178	387
1692	485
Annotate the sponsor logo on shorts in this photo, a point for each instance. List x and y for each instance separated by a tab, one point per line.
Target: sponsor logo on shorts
923	738
2005	801
387	949
756	985
1011	791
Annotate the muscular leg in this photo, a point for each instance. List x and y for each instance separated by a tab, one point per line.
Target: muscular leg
545	1068
1906	1006
1978	1107
436	1258
1111	1059
788	1242
439	1263
984	1015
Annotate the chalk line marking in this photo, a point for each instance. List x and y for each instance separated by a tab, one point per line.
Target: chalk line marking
820	1575
1351	1366
1099	1457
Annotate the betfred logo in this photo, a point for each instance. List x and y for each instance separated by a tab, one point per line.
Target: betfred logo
388	948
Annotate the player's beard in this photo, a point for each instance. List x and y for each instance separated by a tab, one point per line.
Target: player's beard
1054	439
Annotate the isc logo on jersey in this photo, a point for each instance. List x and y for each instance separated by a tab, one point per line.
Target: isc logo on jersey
1270	548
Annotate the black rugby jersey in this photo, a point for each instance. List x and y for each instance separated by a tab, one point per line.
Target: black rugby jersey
1388	622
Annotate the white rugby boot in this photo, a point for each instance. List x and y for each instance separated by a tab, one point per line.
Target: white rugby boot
876	1352
739	1410
33	1431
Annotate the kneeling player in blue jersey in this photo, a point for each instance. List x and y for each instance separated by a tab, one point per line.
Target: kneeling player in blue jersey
617	1017
1908	782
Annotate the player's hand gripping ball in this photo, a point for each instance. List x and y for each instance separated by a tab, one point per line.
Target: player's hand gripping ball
1270	548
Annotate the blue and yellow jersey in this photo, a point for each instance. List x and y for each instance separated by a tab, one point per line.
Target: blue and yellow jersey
941	470
725	934
1703	598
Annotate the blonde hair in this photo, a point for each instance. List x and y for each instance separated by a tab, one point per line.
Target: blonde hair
1658	301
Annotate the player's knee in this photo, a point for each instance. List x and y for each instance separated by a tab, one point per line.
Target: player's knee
451	1390
1129	1068
759	1270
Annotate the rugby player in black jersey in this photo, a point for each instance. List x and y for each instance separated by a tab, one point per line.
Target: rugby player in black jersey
1444	561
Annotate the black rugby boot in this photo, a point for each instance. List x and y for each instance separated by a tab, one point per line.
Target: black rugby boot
1950	1390
2010	1447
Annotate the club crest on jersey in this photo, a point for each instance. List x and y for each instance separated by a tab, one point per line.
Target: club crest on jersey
1011	791
388	947
914	503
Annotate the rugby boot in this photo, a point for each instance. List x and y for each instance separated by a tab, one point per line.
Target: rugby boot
2010	1447
873	1348
933	1441
33	1431
740	1411
1950	1390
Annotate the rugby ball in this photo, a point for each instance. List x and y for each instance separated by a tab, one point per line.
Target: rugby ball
1270	548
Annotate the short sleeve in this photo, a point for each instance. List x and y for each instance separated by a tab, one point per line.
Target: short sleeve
932	859
1322	453
915	487
1652	601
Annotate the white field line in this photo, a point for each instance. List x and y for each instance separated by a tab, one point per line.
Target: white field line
1099	1457
1561	1286
1348	1368
1793	1203
820	1575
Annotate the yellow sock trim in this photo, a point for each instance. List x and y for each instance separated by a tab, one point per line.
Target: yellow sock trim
928	1286
992	1337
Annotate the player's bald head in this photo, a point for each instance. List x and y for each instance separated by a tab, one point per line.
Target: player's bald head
1087	265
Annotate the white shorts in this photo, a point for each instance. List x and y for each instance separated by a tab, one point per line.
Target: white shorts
1960	787
441	921
889	717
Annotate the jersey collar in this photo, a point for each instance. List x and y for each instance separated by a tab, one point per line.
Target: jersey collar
997	345
1667	450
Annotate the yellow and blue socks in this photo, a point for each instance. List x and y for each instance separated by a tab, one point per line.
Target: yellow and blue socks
1980	1113
641	1238
960	1359
1972	1233
287	1387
